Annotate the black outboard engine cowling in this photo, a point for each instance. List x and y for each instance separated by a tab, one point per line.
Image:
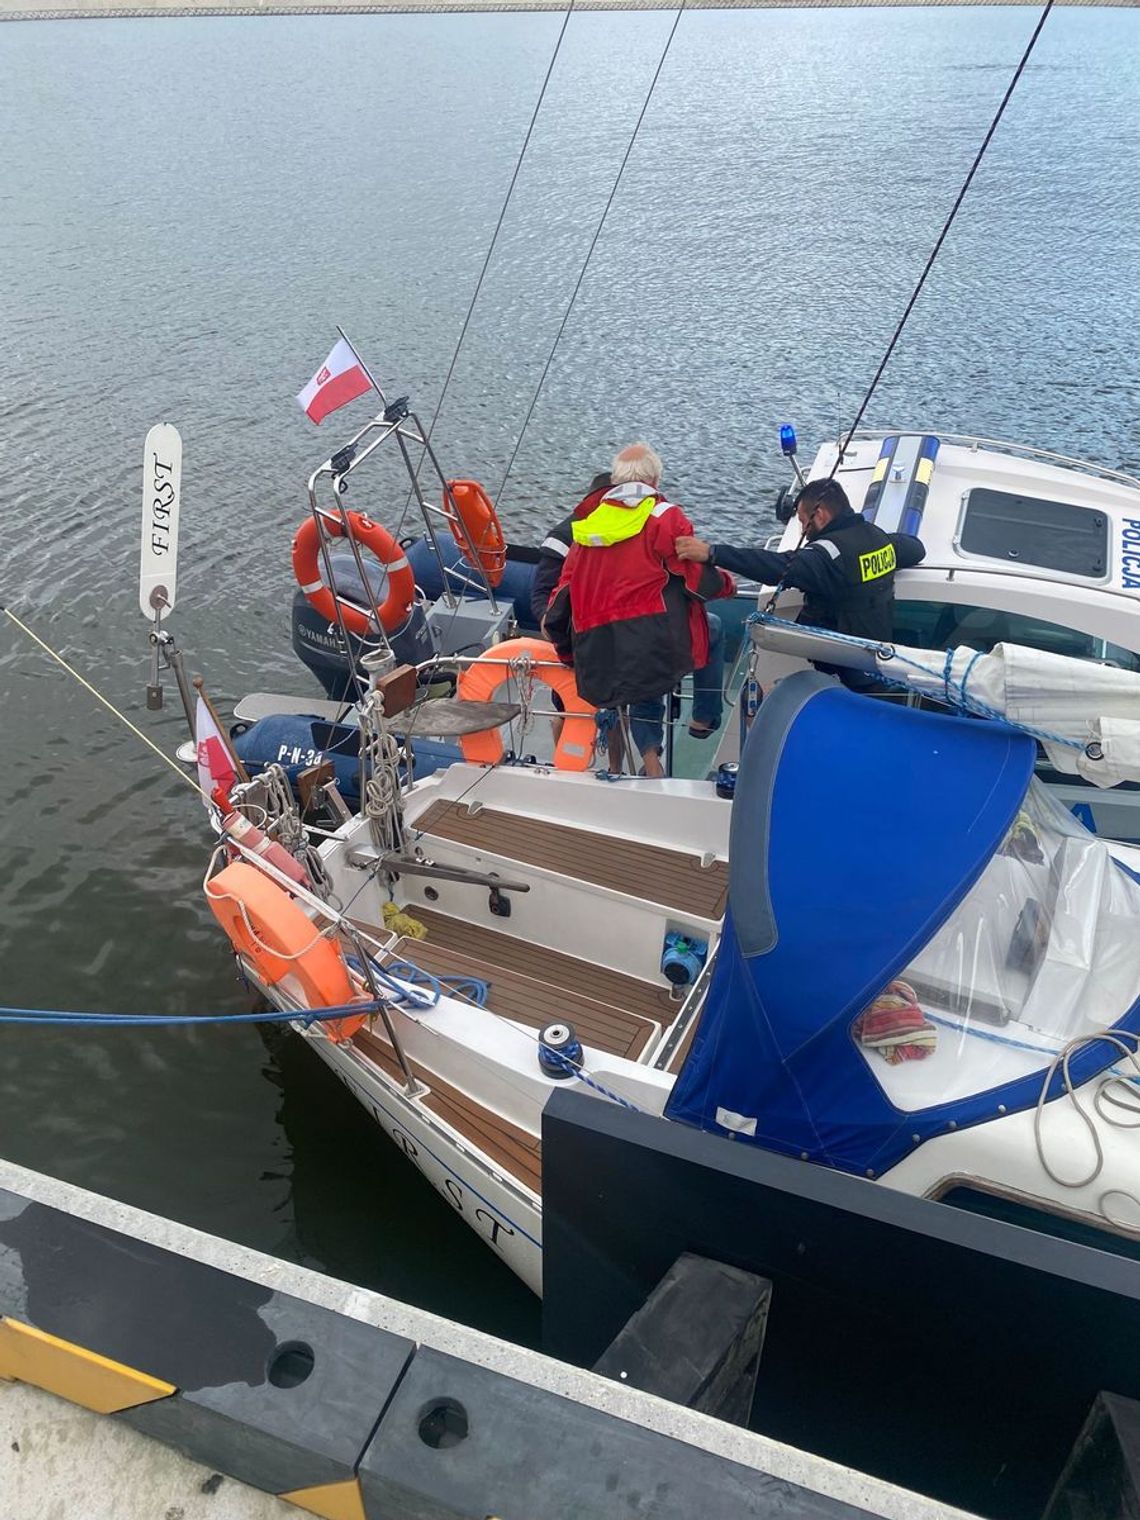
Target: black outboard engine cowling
319	644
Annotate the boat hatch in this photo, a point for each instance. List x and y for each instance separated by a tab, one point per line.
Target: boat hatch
1031	530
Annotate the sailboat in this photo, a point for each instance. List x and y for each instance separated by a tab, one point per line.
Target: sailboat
886	977
872	938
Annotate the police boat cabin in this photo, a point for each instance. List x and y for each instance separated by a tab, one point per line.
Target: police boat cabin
1022	547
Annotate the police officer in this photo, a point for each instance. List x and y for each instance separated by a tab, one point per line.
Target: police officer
845	568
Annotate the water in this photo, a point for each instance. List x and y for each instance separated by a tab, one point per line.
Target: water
186	209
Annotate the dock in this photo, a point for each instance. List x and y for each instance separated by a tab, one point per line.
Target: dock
84	10
157	1371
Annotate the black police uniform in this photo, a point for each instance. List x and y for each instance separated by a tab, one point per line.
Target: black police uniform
552	552
847	573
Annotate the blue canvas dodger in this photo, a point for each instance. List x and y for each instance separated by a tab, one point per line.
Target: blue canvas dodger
834	887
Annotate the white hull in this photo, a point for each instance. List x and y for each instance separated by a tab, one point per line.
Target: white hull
502	1214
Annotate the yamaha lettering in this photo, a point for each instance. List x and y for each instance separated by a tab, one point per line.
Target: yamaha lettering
1130	554
876	563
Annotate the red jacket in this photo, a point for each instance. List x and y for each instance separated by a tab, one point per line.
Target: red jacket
627	613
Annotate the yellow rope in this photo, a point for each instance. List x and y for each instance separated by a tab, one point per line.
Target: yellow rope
122	717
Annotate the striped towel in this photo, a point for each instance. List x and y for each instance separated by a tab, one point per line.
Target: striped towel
895	1026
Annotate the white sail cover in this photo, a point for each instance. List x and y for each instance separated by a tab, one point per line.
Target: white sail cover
1092	711
1096	708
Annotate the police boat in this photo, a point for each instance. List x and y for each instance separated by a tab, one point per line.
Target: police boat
1023	548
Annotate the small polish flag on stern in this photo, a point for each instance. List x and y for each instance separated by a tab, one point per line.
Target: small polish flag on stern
339	380
215	765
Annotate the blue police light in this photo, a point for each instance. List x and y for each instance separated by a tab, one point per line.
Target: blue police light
788	439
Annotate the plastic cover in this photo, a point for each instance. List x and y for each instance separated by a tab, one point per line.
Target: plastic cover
1043	948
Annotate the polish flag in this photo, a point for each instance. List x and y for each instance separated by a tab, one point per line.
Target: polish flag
339	380
215	764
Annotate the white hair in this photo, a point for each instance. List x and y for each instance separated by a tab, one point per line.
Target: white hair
637	461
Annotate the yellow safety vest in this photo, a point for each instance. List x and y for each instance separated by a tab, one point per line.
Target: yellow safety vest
612	523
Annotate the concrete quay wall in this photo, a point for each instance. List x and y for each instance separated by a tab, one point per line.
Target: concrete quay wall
20	10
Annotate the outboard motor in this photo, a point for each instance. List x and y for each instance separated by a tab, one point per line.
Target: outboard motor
319	644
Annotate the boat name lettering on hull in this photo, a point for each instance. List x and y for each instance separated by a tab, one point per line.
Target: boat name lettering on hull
494	1225
1130	555
498	1226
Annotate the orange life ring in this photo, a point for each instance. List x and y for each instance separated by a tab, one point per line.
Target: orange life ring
401	577
480	680
278	939
484	531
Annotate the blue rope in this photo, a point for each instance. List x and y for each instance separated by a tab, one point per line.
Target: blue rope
576	1071
56	1016
400	994
473	988
956	694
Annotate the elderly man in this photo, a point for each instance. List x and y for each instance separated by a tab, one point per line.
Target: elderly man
627	613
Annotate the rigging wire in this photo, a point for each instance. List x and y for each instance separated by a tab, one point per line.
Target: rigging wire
494	238
934	252
110	706
590	249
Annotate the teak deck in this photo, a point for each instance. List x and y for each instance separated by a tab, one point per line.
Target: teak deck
587	979
670	878
534	986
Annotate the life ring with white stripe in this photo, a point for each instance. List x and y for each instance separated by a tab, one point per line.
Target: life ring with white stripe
481	679
280	941
484	532
401	578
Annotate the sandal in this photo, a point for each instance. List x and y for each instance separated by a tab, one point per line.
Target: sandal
702	730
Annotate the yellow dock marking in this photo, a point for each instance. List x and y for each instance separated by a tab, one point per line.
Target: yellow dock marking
334	1501
31	1356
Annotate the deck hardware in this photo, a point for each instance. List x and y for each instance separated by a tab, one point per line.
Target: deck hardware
406	865
499	905
708	860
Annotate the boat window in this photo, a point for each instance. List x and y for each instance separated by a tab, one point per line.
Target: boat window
1029	530
945	625
1042	949
973	1199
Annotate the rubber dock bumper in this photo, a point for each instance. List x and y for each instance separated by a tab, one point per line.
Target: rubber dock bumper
276	1392
342	1418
